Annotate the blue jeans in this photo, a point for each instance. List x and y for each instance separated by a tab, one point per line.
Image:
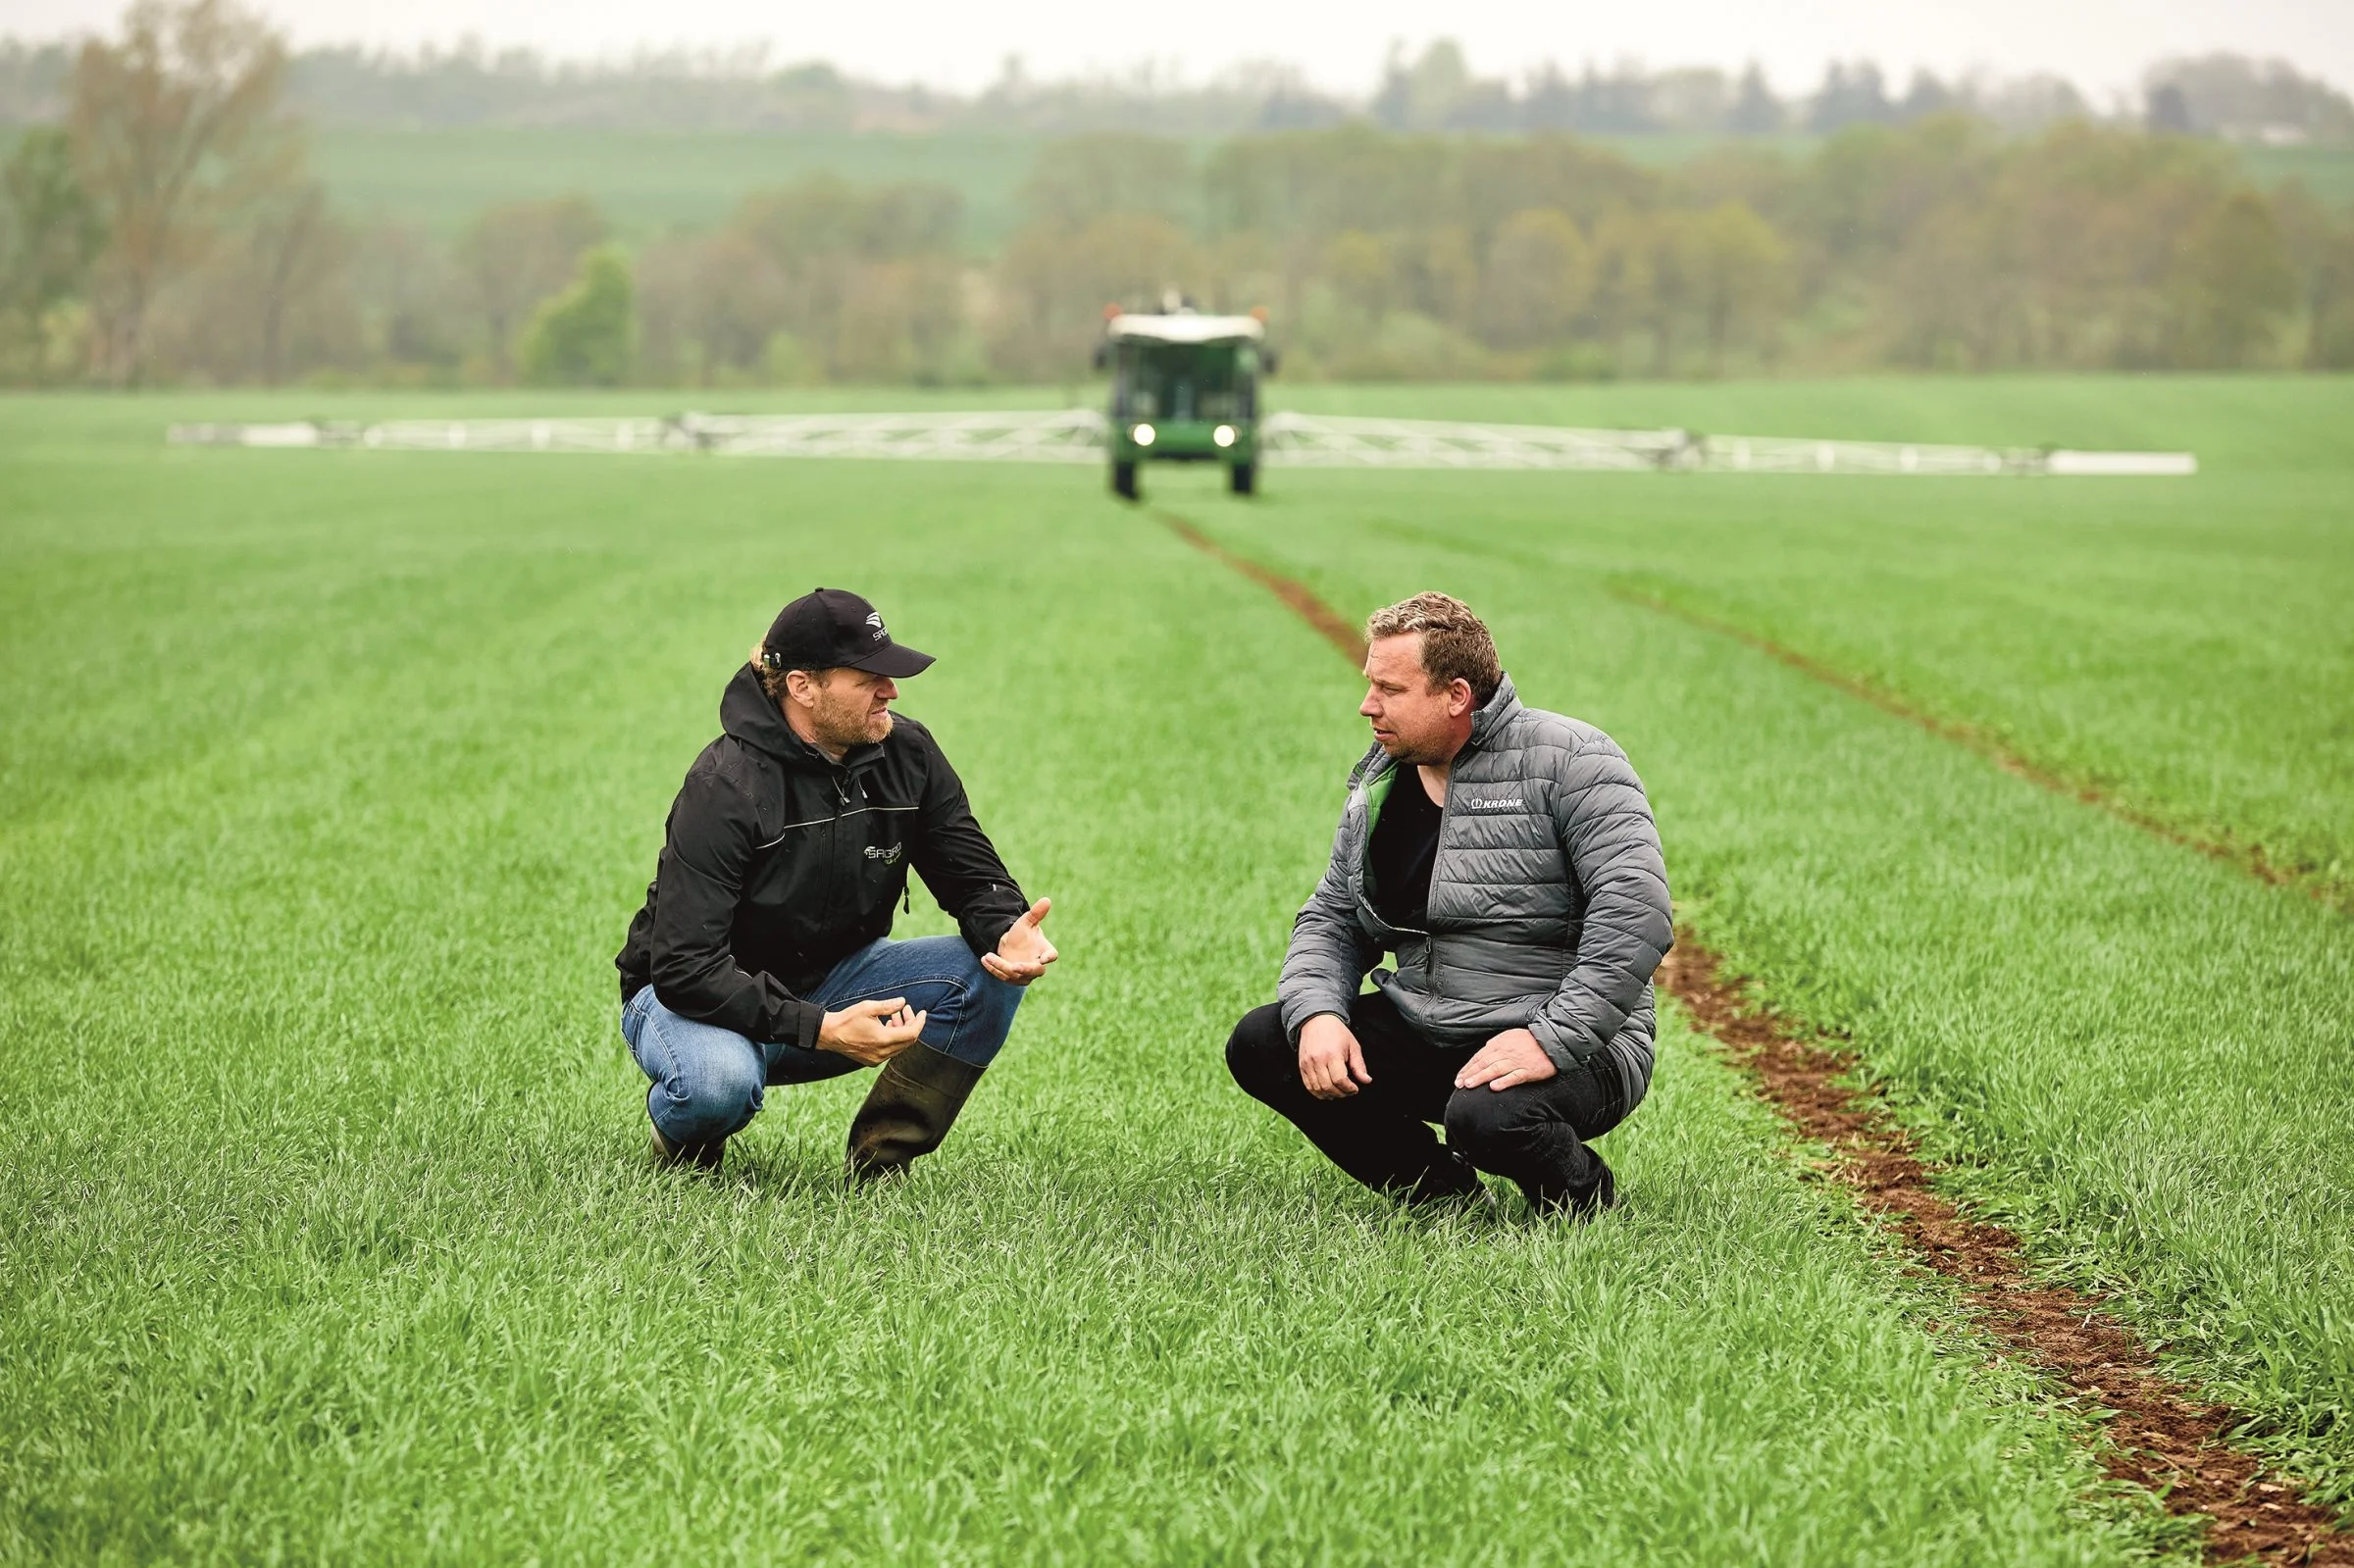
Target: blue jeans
708	1081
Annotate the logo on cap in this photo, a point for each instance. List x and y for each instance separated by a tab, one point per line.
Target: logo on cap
875	620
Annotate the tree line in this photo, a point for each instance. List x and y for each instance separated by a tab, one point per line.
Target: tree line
169	230
2223	94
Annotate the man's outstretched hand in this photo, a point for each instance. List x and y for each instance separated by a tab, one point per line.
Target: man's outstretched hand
868	1032
1023	953
1331	1062
1511	1057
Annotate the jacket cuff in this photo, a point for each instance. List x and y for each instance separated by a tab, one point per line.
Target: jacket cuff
1294	1031
1298	1010
983	932
1559	1049
803	1018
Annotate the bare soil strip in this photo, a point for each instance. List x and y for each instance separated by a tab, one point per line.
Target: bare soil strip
2161	1434
1333	625
2249	858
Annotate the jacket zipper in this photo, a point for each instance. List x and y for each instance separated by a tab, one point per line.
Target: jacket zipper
1430	947
834	877
1365	850
842	804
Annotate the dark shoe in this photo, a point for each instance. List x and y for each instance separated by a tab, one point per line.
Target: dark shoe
1604	1196
909	1110
1450	1182
1601	1194
702	1156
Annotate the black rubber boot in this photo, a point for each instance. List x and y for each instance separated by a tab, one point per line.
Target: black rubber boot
909	1110
1600	1192
1450	1182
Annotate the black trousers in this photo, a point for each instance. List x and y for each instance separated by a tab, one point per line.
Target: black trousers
1535	1134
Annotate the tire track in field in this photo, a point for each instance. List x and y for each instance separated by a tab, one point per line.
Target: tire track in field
2162	1436
1329	622
2249	858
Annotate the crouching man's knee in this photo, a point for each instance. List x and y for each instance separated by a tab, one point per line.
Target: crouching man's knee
1260	1054
711	1101
1487	1126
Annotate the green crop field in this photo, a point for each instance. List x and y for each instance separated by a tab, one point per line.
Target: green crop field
2327	171
648	181
331	779
2140	1055
2184	647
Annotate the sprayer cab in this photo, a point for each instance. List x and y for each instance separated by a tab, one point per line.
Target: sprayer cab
1184	390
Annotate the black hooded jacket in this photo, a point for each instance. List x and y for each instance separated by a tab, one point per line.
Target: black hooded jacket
778	862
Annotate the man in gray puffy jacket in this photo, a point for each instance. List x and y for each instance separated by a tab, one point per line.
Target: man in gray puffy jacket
1506	857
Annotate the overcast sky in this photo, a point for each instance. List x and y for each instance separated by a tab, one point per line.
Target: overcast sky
2100	44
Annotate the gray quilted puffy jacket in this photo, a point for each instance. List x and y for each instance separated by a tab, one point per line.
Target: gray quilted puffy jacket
1548	899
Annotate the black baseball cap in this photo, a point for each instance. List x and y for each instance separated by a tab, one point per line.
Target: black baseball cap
828	629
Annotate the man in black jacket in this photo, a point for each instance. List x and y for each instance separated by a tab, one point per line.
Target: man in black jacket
763	954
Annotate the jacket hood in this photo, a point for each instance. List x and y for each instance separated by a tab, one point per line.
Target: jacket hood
746	712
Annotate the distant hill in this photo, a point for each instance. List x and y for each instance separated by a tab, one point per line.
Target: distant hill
648	181
670	140
455	216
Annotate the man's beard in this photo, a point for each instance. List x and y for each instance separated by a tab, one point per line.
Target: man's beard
842	725
1410	755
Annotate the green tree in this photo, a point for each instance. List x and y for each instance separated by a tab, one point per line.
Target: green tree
49	235
1739	272
1644	263
1624	277
412	301
2320	244
296	249
1540	274
711	306
586	334
269	299
1053	285
1358	266
175	125
516	255
2237	285
867	279
1438	273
